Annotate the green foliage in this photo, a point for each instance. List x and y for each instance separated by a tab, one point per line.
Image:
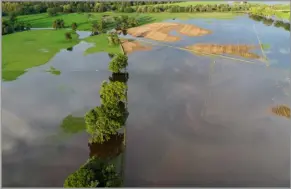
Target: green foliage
33	48
72	125
68	36
51	11
101	45
94	173
103	122
58	24
113	38
12	25
101	25
82	178
118	62
112	93
74	26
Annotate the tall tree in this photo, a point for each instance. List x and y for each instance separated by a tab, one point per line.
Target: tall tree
94	173
118	62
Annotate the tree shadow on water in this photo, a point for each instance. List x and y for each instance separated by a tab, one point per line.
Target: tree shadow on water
121	77
109	149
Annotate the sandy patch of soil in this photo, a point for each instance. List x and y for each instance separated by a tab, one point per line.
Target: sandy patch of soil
160	31
238	50
131	46
281	110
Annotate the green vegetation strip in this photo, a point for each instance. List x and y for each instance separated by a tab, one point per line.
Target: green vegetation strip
84	21
101	45
24	50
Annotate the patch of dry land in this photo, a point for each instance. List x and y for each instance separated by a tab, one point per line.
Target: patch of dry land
281	110
130	46
237	50
160	31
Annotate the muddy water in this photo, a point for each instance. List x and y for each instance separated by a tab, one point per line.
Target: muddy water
196	122
191	122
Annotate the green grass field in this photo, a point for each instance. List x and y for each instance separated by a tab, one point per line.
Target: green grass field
101	45
44	21
23	50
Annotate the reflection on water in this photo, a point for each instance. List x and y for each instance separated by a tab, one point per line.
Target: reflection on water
71	124
109	149
70	49
121	77
192	122
195	125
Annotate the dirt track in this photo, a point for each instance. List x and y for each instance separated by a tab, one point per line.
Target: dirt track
238	50
160	31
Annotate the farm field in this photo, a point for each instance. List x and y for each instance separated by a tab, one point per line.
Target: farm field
134	95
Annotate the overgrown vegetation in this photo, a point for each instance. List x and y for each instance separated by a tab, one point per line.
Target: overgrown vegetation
54	8
12	25
102	123
94	173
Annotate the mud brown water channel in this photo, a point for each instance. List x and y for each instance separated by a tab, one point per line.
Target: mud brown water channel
193	120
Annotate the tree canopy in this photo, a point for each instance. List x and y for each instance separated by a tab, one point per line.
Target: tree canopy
94	173
118	62
112	93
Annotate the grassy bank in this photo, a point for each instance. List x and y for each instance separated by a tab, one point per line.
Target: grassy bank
84	21
101	45
24	50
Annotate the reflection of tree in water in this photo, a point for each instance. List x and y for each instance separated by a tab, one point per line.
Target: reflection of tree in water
111	55
109	149
269	22
124	32
281	110
72	125
121	77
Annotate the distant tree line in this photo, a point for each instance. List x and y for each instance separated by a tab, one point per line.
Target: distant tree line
11	25
24	8
53	8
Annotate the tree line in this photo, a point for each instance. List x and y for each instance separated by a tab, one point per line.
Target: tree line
102	123
12	25
24	8
53	8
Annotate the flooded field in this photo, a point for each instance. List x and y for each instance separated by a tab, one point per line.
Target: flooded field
194	120
206	121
